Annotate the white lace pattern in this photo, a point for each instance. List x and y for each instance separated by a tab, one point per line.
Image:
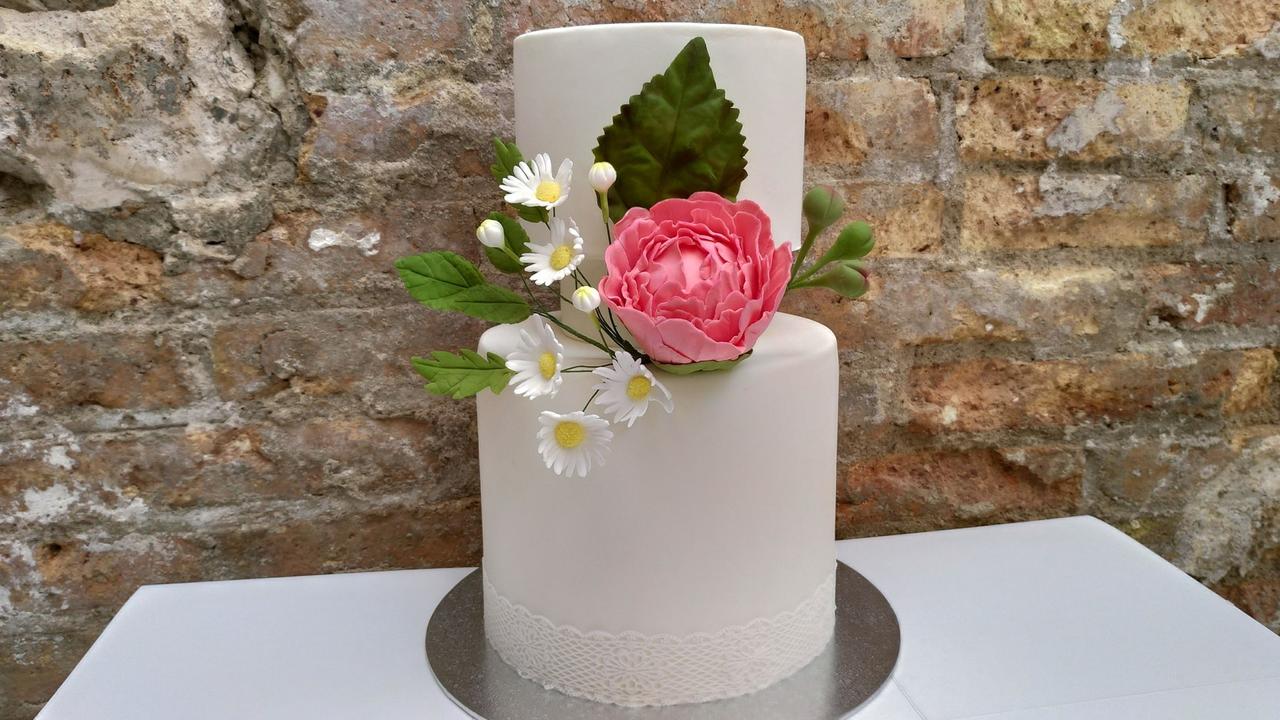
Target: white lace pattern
636	669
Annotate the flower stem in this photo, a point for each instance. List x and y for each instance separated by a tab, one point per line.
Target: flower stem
588	402
603	201
805	246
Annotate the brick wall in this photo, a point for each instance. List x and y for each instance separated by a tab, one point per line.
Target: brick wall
203	347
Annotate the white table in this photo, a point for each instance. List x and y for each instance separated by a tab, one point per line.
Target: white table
1034	621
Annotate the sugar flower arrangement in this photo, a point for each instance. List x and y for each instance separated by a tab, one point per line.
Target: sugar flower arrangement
693	275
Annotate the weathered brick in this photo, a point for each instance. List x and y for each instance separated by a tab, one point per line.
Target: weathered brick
993	394
907	219
51	266
86	571
1143	477
1044	118
35	667
1243	119
342	44
439	535
132	477
1194	296
872	126
1082	210
306	261
1196	28
363	354
1255	208
933	489
1093	29
1066	308
1048	29
388	147
1258	594
107	370
840	29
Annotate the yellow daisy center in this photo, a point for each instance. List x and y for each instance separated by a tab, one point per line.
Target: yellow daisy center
547	365
561	257
570	434
548	191
638	388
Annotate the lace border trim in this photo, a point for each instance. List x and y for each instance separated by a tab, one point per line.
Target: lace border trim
634	669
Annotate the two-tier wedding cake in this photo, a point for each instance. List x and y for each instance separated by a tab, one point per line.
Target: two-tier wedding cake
657	458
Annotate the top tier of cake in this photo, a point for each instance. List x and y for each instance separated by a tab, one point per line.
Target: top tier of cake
570	82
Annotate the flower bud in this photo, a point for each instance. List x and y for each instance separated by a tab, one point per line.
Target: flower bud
846	278
586	298
853	242
822	207
491	234
601	176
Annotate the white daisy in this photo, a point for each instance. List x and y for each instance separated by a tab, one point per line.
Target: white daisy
537	361
571	443
552	262
628	388
535	186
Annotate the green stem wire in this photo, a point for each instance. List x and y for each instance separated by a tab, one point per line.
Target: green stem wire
804	249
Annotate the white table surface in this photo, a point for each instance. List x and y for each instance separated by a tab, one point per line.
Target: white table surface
1051	620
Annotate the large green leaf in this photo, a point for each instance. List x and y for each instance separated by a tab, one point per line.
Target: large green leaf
463	374
701	367
517	240
445	281
678	136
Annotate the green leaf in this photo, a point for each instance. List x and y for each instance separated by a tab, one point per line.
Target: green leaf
532	214
508	157
446	281
700	367
463	374
678	136
517	240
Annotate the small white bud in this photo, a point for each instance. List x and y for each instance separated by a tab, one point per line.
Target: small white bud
601	176
490	234
586	298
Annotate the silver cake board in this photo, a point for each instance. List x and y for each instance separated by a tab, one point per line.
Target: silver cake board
852	669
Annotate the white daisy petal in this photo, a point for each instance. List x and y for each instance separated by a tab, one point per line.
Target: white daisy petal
552	262
627	387
570	444
534	185
537	361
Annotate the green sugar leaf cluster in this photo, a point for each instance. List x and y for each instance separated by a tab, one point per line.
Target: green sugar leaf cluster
463	374
678	136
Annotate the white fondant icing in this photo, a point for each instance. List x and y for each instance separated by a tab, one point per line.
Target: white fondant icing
715	515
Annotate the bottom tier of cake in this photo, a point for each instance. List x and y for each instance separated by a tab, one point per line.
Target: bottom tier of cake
698	562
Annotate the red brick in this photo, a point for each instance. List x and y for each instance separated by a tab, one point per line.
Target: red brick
994	394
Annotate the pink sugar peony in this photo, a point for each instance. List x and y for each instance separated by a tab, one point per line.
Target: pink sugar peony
696	279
